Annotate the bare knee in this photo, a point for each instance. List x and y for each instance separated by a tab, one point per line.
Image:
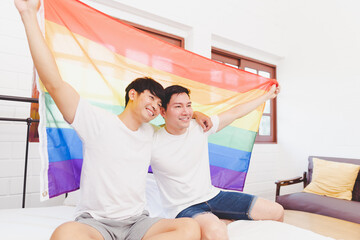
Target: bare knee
215	230
267	210
278	213
190	229
63	232
75	230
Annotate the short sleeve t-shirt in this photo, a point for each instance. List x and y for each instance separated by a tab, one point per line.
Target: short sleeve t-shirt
115	164
181	167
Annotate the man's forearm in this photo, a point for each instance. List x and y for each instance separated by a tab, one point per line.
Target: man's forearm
227	117
64	96
42	57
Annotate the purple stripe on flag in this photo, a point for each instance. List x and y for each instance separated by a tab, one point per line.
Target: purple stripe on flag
227	179
64	176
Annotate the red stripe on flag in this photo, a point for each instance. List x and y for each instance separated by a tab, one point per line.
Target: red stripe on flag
128	41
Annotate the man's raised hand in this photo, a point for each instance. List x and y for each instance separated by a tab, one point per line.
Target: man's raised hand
274	91
27	5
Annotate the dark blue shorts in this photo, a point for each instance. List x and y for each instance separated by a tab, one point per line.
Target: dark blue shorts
225	205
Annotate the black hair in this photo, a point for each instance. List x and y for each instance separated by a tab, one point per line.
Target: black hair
142	84
171	90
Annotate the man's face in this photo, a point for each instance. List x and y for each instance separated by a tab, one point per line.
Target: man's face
178	113
148	104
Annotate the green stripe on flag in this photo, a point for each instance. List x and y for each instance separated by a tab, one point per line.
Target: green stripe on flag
234	137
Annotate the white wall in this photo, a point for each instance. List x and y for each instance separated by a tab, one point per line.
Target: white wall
313	43
318	108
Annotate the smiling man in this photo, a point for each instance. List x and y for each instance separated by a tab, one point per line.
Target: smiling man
180	163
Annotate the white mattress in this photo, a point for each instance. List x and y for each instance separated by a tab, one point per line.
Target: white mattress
32	223
39	223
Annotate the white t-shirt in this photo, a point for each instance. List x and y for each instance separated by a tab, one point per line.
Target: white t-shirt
115	164
181	167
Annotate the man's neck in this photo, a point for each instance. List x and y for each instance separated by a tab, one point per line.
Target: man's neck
130	119
174	131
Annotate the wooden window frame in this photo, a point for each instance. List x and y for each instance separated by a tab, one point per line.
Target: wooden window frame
241	62
167	37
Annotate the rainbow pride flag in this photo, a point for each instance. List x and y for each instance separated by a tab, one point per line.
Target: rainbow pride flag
99	56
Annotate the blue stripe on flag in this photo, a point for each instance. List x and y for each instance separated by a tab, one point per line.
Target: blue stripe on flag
229	158
63	144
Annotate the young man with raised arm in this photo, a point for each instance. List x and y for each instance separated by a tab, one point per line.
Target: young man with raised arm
116	151
180	163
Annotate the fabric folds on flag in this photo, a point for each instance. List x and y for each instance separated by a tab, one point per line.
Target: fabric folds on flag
99	56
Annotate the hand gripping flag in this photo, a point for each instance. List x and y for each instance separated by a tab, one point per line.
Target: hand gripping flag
99	56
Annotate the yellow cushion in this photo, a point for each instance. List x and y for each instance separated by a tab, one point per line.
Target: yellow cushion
333	179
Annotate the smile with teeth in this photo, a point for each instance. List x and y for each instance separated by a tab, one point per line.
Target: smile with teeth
187	118
151	112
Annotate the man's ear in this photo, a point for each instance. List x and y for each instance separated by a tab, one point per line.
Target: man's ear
132	94
162	111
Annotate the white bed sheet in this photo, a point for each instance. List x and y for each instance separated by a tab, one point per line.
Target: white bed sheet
39	223
32	223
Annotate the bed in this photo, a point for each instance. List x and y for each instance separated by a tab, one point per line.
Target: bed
39	223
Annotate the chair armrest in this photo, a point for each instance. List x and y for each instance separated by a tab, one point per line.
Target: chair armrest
286	182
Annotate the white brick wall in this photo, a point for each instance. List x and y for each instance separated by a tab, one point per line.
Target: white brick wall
16	80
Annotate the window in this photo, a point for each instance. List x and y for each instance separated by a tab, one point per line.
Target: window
267	130
34	112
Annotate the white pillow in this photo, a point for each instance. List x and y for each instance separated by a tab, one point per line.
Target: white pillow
270	230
